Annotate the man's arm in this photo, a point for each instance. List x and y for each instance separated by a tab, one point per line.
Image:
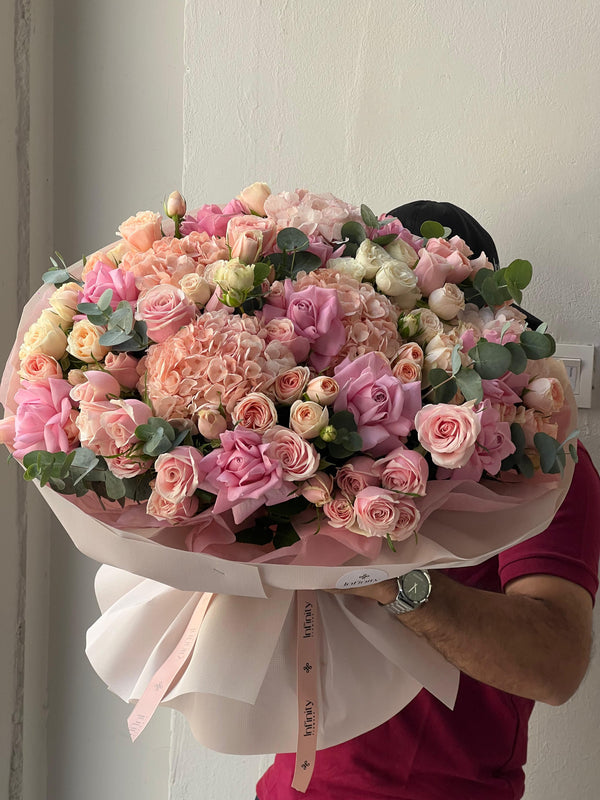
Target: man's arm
533	641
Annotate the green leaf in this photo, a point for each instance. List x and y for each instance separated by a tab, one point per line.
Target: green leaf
261	271
573	452
444	386
517	434
138	488
368	217
518	360
89	308
105	299
84	461
382	241
469	382
114	337
542	328
491	360
292	239
56	276
514	290
390	542
145	432
456	362
432	230
285	536
525	466
480	276
537	345
354	232
343	419
305	262
115	488
122	318
158	444
519	272
547	447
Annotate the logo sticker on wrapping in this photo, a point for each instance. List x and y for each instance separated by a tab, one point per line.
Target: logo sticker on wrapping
361	577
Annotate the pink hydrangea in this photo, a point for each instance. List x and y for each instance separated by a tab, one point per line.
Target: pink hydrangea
313	214
219	358
45	418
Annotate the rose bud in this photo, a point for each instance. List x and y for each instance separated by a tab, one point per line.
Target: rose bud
175	206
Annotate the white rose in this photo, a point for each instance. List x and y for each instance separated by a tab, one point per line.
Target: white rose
45	336
372	257
429	324
447	301
438	353
347	266
198	289
234	275
402	251
399	282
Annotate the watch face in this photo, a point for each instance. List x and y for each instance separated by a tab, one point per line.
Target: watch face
416	585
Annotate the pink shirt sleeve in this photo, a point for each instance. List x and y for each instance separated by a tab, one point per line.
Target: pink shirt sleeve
570	547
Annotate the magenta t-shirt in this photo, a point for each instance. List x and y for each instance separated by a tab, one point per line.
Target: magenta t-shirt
476	751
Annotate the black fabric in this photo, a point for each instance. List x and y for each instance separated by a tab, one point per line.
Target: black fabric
413	215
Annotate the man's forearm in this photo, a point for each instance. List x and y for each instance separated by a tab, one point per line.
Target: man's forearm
531	646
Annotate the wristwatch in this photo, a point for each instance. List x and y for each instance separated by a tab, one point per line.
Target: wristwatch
414	589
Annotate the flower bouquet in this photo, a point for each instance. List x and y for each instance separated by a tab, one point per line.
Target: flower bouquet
285	393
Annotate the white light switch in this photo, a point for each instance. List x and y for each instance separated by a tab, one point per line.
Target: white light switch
579	364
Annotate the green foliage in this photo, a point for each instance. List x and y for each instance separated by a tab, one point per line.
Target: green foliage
59	274
432	230
158	436
353	232
369	218
469	382
292	239
518	359
443	386
537	345
382	241
490	360
347	440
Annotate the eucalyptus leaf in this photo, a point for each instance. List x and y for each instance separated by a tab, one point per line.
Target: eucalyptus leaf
285	535
354	232
383	241
343	419
491	292
122	317
537	345
515	291
517	435
518	360
89	308
469	382
519	272
444	386
573	452
114	337
261	271
456	362
115	488
542	328
547	447
292	239
368	217
491	360
304	262
158	444
105	300
525	466
480	276
432	230
56	276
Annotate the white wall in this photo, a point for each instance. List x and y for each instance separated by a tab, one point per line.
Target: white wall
493	106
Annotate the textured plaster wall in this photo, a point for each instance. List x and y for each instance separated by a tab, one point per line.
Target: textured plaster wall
493	106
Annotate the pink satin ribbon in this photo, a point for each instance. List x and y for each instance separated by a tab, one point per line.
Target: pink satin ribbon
168	674
308	687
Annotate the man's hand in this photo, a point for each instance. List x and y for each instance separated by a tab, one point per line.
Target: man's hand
534	640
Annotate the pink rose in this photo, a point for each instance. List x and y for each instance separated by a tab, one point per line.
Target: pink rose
299	459
545	395
255	412
376	511
493	445
96	385
404	471
123	368
384	408
440	263
317	489
263	231
246	474
124	465
247	247
408	520
101	278
308	419
212	218
141	230
172	513
340	512
38	367
317	315
45	418
179	473
448	432
282	329
356	474
289	385
7	431
322	390
210	422
165	309
121	421
91	432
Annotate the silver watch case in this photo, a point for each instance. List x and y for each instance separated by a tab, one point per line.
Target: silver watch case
414	589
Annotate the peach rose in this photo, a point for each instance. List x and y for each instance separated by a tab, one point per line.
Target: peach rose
123	367
289	385
178	473
197	288
448	432
141	230
96	385
175	205
253	197
122	419
172	513
323	390
255	412
64	301
308	418
298	458
406	371
44	336
317	489
408	520
37	366
264	231
545	395
412	352
340	512
83	342
211	423
165	309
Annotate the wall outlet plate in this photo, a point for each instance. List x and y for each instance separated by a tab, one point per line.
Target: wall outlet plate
579	363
